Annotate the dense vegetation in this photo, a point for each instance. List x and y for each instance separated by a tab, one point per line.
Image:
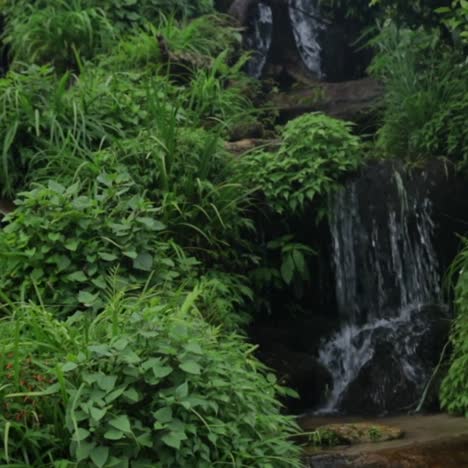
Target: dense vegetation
140	248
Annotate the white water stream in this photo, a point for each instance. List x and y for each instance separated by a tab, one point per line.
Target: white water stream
385	271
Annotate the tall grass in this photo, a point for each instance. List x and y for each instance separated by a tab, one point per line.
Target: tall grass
60	32
424	80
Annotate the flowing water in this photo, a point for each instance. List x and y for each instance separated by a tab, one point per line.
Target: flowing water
259	39
304	16
386	270
307	26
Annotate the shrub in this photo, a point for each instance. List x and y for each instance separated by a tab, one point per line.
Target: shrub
199	39
316	151
130	14
149	382
426	95
454	389
22	98
60	243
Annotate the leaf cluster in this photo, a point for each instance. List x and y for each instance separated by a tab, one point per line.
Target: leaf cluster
147	382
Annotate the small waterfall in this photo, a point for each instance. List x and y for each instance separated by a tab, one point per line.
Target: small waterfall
386	271
306	26
259	39
305	22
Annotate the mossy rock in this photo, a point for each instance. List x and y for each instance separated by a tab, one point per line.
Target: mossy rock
359	433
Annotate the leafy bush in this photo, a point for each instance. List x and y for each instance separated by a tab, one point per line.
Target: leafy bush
454	389
426	95
60	243
198	40
316	151
130	14
147	382
455	18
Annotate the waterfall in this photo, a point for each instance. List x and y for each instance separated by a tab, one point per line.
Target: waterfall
386	271
259	39
304	16
306	26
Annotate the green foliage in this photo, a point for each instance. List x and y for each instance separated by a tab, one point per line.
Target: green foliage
324	438
454	389
60	244
146	382
130	14
200	39
455	18
316	151
285	266
426	95
62	32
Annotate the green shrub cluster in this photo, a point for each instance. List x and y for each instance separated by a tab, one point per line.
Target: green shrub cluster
123	287
426	97
146	383
315	151
454	390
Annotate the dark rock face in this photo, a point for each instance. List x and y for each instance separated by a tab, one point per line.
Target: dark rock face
285	343
301	372
393	389
351	100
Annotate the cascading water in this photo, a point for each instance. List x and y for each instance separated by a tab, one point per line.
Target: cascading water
386	271
259	39
306	26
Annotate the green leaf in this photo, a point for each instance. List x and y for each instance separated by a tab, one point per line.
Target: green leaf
114	434
72	245
194	348
56	187
77	276
299	261
99	456
97	413
86	298
182	391
83	450
191	367
164	415
173	439
121	423
69	366
107	382
287	269
143	262
80	434
108	257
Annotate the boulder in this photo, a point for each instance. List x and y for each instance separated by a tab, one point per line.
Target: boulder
358	433
348	100
301	372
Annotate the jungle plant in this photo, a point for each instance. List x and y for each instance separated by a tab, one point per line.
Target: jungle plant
455	18
60	243
454	389
316	151
426	94
60	32
148	381
284	266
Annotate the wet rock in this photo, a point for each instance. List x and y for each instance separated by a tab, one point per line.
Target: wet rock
386	383
245	145
301	372
244	131
358	433
349	100
448	453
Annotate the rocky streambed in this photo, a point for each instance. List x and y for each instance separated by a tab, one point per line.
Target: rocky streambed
422	441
